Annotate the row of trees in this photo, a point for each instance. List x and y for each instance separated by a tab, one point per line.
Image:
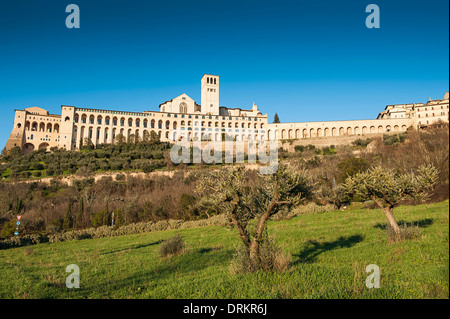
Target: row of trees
144	155
250	200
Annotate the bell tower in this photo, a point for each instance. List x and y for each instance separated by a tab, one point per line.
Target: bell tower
210	94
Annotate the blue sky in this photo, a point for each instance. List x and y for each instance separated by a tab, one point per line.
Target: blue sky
305	60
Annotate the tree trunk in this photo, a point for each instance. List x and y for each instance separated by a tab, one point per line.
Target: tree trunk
254	253
388	211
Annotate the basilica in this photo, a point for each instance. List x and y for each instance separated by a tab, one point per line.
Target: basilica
182	117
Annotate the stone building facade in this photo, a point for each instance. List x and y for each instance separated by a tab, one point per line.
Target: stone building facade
181	117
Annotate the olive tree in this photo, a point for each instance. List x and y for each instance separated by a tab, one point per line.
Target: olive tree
253	197
387	188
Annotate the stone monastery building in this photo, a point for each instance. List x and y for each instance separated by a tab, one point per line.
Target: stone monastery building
180	117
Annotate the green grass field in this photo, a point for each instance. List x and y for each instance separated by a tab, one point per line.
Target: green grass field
330	252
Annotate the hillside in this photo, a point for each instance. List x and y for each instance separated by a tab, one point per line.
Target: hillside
329	253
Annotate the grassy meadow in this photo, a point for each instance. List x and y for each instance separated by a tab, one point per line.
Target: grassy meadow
330	252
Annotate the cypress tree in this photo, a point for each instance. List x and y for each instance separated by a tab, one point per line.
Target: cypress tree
68	217
80	213
106	215
276	119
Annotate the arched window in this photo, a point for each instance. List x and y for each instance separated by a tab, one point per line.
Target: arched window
183	107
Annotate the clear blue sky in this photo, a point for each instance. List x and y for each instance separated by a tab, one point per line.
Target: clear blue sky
305	60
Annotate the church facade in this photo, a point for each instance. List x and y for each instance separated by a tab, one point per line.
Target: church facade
182	117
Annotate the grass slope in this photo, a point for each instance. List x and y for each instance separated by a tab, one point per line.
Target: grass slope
330	253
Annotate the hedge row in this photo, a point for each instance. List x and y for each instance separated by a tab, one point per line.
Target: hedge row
110	231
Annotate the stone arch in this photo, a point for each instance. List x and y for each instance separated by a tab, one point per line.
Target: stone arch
357	130
105	135
404	127
49	127
319	132
97	134
312	133
290	134
334	131
43	145
42	127
305	133
364	129
380	129
349	131
326	132
99	119
28	147
396	128
56	128
297	133
341	131
372	129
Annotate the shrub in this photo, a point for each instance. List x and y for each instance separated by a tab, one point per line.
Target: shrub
350	167
362	142
25	174
406	233
37	166
37	174
172	246
299	148
120	177
394	139
8	229
271	259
